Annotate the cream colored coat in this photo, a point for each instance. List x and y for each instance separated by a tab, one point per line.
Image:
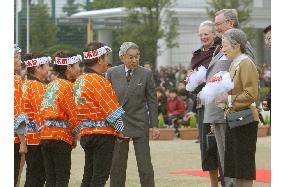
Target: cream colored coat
245	91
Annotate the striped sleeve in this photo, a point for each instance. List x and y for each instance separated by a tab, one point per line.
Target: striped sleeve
115	115
118	124
18	128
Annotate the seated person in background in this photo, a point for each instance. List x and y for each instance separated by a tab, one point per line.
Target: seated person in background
162	101
180	86
187	98
261	120
188	102
175	108
167	92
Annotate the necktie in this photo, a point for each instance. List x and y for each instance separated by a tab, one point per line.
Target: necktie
128	75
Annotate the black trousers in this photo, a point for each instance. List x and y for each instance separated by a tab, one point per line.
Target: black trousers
35	174
17	161
57	162
98	150
209	157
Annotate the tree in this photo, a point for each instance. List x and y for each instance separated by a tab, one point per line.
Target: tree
244	8
71	7
103	4
147	22
71	32
52	50
43	29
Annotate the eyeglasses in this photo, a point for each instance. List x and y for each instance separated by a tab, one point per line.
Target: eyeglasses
220	23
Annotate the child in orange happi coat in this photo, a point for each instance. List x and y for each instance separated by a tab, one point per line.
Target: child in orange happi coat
60	118
20	118
33	91
99	113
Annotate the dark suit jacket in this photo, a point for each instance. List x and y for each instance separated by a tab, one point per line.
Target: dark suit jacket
138	99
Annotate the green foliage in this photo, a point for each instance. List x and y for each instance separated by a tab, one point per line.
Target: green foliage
263	91
71	7
193	121
43	30
104	4
115	48
244	8
143	26
190	123
72	32
266	119
161	121
51	50
71	28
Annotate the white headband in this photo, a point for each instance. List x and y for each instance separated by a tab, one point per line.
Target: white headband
97	53
69	60
38	61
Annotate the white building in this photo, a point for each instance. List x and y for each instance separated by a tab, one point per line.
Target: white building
190	14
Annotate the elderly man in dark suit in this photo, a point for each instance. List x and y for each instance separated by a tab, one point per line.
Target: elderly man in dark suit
135	89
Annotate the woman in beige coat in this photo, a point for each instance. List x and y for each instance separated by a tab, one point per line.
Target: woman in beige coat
240	141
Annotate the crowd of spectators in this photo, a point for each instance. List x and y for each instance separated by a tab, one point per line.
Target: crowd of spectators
171	92
264	74
176	104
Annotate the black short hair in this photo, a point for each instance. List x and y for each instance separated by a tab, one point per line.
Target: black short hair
93	46
60	69
267	29
173	90
161	90
183	92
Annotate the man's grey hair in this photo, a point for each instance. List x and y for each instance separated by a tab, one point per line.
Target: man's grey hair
125	46
209	24
236	36
229	14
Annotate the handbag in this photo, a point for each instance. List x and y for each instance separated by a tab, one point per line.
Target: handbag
240	118
211	143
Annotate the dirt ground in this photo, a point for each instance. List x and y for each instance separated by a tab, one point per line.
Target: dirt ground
169	156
